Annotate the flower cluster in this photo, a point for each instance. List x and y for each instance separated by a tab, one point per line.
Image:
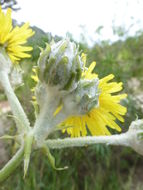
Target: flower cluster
83	100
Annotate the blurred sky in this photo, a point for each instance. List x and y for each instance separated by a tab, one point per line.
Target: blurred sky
76	16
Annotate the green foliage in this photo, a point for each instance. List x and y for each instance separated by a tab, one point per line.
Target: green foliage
38	41
89	169
123	58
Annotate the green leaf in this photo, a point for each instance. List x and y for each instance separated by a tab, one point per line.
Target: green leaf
52	159
27	151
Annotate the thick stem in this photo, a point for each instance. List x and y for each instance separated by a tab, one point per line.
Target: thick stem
20	116
121	139
11	165
45	121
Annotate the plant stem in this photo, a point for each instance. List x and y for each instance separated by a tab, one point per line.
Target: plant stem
121	139
11	165
45	121
20	116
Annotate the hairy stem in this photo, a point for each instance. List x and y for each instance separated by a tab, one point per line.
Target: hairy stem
121	139
11	165
20	116
45	121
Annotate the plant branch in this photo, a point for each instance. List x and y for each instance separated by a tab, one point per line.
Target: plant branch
121	139
22	120
132	138
11	165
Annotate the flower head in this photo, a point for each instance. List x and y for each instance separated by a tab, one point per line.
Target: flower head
102	116
13	39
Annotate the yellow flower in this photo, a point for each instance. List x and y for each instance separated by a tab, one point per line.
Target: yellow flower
13	39
103	116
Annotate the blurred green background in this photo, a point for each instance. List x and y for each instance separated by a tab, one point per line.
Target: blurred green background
95	167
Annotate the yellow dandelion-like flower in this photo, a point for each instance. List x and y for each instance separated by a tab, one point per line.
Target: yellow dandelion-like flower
103	116
13	39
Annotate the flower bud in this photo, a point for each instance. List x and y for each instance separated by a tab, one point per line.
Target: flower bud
83	98
60	65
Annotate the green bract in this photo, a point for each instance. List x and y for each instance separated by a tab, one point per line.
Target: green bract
83	98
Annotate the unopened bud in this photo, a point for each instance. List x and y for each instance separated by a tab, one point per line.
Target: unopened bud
60	65
83	98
